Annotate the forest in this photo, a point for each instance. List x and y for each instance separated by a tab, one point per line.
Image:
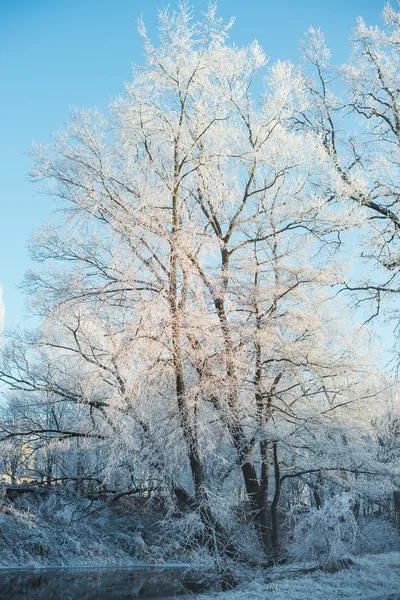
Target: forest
209	292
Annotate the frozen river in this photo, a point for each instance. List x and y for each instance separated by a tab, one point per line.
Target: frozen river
100	583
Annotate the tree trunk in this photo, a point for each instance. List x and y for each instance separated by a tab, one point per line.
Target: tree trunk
274	505
265	525
396	503
188	431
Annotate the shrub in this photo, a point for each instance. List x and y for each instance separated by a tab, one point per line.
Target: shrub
326	536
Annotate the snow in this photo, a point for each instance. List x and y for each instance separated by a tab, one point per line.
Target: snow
33	534
376	577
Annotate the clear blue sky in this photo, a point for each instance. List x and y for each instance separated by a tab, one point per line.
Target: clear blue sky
60	53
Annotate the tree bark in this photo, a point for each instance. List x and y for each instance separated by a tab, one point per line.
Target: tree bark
396	503
275	502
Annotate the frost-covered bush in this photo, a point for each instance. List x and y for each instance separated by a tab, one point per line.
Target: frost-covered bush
326	536
185	531
48	505
51	528
64	515
377	536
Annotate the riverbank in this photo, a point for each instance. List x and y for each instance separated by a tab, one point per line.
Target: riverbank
51	531
373	577
40	533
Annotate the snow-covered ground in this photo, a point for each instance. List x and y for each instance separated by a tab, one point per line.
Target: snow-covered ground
374	577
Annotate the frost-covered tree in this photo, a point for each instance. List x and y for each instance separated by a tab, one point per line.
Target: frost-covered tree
355	111
189	335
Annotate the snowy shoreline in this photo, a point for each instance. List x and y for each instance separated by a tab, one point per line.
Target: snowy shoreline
374	577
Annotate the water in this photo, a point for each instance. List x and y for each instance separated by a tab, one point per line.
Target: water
100	584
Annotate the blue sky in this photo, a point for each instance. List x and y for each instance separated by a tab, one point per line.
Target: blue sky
55	54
